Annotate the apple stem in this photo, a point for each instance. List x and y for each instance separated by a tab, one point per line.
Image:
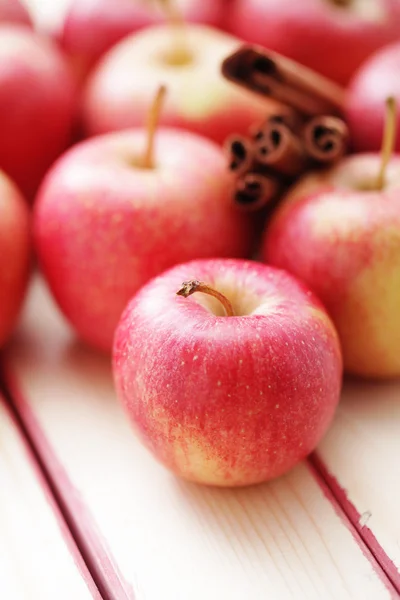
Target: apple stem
152	122
389	139
190	287
180	53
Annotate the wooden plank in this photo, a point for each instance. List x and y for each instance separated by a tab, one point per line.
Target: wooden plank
155	537
359	459
38	558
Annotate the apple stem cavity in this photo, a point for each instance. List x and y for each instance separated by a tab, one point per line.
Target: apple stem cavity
388	143
180	53
341	3
190	287
152	122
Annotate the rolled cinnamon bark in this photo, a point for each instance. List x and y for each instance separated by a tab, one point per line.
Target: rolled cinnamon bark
289	117
278	149
240	153
325	138
275	76
254	191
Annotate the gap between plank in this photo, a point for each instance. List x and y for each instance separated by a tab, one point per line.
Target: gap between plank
53	505
118	591
383	565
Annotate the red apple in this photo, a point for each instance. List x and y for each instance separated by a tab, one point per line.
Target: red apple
37	105
340	234
13	11
15	254
104	224
378	78
228	400
199	99
332	37
109	22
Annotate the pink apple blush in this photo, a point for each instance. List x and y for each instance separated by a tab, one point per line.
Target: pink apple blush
234	380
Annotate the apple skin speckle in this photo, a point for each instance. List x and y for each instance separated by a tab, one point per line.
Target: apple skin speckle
273	404
103	226
344	243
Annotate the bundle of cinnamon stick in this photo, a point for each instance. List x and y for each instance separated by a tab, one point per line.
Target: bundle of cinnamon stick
307	132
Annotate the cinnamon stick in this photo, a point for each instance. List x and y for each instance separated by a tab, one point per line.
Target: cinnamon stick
306	128
325	138
286	115
277	147
253	191
275	76
240	153
290	118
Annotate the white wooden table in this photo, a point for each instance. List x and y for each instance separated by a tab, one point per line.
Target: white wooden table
38	556
150	536
360	461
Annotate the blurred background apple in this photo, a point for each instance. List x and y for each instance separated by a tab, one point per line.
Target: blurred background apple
37	105
331	36
109	21
339	232
14	11
15	254
377	78
105	222
199	99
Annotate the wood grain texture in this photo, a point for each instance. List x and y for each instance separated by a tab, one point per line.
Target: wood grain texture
168	539
38	558
360	459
